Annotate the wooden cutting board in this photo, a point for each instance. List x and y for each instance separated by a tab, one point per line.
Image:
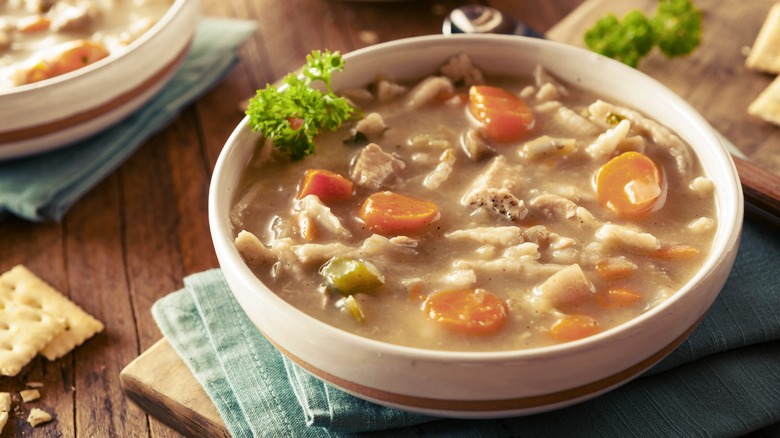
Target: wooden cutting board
713	80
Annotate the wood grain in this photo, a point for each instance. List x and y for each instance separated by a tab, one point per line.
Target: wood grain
153	377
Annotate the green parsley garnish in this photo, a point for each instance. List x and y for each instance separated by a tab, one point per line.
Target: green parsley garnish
292	115
675	29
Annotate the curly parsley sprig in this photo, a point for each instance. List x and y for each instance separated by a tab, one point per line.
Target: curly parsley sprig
293	115
675	28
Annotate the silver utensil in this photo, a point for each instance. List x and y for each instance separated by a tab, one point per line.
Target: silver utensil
484	19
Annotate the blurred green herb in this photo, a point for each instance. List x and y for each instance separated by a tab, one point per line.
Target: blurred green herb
675	28
293	115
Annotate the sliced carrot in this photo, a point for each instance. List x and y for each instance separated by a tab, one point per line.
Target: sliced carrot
630	184
33	23
573	327
675	252
469	311
76	55
614	269
506	117
326	185
615	298
416	292
391	213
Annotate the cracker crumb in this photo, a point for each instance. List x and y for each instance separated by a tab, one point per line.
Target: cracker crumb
5	408
34	384
5	401
29	395
368	37
38	416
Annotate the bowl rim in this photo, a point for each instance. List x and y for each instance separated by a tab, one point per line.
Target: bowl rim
725	241
89	70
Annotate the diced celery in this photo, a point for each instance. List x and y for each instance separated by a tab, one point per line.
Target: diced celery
351	304
350	276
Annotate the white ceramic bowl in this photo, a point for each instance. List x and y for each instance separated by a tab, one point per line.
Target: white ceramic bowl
484	385
56	112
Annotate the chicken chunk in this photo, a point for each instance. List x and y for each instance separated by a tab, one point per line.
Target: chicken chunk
566	288
522	259
613	235
373	166
442	171
474	145
608	141
73	16
371	125
543	77
38	6
493	190
313	210
252	250
508	236
461	70
428	90
387	90
545	146
572	122
601	111
554	206
394	247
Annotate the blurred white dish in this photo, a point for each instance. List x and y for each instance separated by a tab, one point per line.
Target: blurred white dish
57	112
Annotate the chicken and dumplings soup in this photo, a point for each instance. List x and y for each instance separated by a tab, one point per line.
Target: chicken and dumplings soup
469	212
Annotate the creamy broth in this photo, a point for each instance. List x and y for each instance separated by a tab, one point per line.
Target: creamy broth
40	33
560	254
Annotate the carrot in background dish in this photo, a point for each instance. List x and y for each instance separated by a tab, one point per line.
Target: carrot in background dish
616	298
573	327
67	57
506	117
614	269
390	213
33	23
326	185
469	311
630	185
675	252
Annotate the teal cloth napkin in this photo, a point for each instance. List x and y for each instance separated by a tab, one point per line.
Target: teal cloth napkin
723	381
43	187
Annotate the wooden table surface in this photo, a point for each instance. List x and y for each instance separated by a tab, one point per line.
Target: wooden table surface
134	237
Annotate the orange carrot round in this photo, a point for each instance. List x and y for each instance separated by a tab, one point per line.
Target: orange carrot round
616	298
469	311
326	185
631	185
76	55
505	116
676	252
573	327
391	213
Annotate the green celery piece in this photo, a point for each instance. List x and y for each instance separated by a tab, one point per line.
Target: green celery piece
350	276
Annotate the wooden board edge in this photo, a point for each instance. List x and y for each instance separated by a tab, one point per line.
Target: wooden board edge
167	403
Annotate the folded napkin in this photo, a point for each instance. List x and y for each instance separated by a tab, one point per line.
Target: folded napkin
724	380
43	187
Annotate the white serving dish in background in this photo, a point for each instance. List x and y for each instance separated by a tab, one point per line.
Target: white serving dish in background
56	112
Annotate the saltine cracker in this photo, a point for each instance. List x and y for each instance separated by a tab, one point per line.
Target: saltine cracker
31	290
765	53
24	330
